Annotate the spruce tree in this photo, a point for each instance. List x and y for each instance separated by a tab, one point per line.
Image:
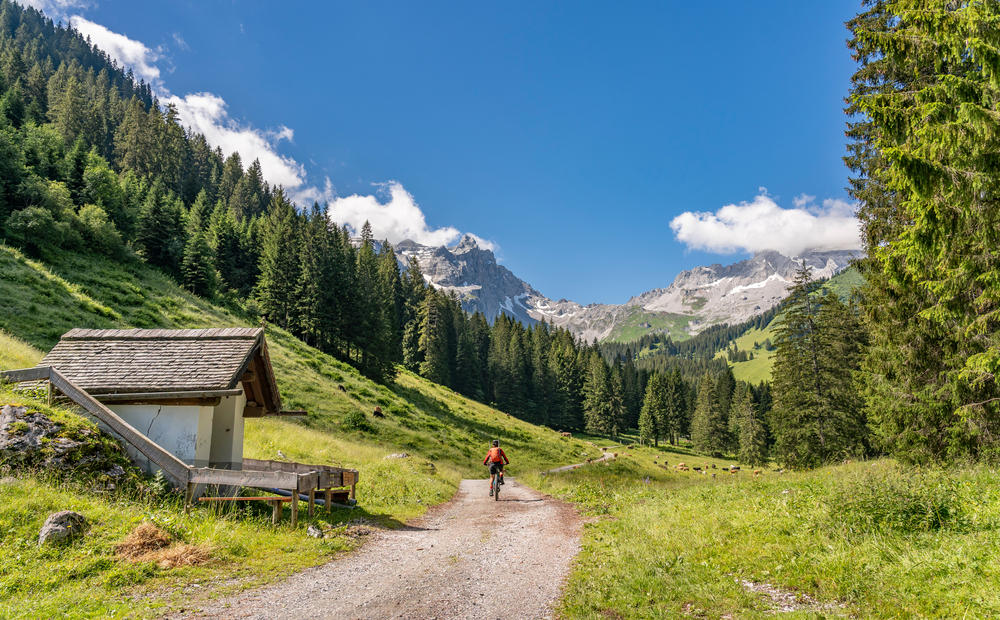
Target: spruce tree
709	430
279	262
597	411
752	433
656	408
923	153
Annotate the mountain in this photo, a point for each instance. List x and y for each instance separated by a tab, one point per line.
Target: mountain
697	298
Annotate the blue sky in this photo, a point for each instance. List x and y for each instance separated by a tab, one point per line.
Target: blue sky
570	135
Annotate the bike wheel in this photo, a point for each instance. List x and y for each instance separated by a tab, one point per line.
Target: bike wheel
496	488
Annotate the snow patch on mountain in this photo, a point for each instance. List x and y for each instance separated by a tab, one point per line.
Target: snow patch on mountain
710	294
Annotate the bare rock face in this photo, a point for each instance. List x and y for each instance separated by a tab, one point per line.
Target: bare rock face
706	295
62	526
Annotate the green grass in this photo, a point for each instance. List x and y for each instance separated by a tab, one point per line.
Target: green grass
759	368
444	433
634	326
869	539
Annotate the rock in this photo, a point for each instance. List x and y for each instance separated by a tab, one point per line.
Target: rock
314	532
61	526
398	455
31	440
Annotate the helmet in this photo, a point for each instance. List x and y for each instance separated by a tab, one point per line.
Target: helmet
496	442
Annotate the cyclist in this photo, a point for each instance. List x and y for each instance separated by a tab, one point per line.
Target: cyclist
496	459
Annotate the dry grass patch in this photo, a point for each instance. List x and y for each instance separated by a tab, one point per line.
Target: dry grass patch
149	543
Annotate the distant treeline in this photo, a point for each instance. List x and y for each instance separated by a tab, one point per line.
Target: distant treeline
91	162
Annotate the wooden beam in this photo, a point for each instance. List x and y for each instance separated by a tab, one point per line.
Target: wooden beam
295	509
187	394
245	499
276	507
312	502
252	411
308	481
179	402
327	495
26	374
245	478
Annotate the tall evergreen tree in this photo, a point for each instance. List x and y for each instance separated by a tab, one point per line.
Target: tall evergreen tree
709	429
752	433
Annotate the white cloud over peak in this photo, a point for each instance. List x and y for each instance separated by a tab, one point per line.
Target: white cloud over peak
398	218
762	224
128	52
206	113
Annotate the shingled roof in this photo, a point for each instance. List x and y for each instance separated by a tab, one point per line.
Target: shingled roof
129	361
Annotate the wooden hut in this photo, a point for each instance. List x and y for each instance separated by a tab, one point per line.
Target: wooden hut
187	390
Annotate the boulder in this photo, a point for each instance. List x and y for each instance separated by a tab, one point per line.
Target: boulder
31	440
62	526
314	532
398	455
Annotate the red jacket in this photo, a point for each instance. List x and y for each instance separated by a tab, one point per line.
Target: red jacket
496	455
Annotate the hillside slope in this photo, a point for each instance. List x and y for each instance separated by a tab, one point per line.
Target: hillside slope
443	433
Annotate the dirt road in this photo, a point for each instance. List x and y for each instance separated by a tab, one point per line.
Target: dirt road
469	558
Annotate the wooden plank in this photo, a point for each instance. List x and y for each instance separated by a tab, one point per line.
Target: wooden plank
180	395
245	478
312	503
276	508
327	494
170	464
26	374
329	479
308	481
245	499
209	402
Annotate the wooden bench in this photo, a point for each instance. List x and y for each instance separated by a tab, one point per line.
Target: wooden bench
275	503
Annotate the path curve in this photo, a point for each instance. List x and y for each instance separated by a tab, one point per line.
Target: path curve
471	557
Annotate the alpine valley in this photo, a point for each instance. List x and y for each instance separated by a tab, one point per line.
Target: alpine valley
696	299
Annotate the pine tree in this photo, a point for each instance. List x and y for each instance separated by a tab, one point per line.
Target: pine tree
655	410
709	430
279	262
752	433
198	264
434	339
923	153
817	415
597	411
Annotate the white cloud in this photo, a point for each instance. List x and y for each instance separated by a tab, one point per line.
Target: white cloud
128	52
181	43
57	9
396	219
206	113
763	225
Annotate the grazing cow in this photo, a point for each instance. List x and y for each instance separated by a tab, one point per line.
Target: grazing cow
341	388
378	412
566	434
756	473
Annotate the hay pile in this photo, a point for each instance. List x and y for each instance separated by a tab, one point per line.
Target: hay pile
148	543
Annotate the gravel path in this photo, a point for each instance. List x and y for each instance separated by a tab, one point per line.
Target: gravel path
469	558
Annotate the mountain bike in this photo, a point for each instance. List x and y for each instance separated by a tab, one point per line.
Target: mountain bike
496	487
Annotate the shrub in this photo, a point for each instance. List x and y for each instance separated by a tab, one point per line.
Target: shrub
99	230
901	500
356	420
